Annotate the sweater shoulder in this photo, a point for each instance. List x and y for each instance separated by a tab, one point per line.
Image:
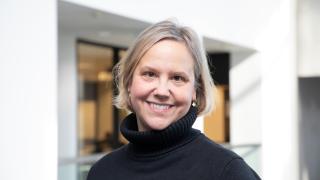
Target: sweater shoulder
215	150
238	169
106	163
112	157
226	163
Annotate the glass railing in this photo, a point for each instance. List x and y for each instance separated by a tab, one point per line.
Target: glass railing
251	153
78	168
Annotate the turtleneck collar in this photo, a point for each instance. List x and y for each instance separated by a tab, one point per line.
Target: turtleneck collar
153	141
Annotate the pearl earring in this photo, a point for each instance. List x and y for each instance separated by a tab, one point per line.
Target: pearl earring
194	103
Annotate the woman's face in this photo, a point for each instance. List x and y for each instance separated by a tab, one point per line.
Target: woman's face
162	86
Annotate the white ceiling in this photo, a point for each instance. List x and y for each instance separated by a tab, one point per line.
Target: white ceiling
97	26
112	29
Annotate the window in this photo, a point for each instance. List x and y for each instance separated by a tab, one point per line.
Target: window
98	119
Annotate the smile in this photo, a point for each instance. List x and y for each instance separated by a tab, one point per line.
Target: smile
159	107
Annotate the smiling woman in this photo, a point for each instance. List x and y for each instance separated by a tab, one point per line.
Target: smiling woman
163	85
165	81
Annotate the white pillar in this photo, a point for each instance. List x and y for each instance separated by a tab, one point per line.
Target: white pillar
277	49
67	104
28	92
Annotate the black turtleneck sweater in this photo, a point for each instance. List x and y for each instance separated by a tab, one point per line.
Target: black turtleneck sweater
177	152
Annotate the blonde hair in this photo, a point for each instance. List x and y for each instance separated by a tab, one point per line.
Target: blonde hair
168	29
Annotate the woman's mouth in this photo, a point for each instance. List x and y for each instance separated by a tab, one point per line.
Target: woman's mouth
159	106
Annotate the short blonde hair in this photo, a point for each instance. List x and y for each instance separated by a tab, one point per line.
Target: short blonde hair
168	29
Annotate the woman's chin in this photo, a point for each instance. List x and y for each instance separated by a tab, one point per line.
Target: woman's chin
158	127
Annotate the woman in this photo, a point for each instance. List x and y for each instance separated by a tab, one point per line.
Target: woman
165	81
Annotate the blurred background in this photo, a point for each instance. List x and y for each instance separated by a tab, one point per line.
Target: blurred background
56	57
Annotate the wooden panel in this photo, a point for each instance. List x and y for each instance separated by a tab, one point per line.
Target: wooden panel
215	124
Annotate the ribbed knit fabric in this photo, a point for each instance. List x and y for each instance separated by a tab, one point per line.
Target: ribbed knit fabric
156	141
177	152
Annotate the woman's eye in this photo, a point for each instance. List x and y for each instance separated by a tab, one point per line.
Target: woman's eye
149	74
178	78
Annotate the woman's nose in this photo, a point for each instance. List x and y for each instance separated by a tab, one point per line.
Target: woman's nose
162	89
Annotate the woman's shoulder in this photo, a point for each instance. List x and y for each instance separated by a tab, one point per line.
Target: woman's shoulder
226	163
238	169
112	157
106	163
213	149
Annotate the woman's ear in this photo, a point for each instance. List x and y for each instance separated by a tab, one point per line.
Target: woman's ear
129	86
194	95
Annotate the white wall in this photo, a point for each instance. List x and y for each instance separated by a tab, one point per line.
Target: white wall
28	93
67	99
245	106
277	52
67	103
245	98
309	38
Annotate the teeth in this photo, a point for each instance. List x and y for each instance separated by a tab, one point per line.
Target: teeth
160	106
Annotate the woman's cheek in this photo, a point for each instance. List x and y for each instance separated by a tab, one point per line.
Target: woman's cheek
141	88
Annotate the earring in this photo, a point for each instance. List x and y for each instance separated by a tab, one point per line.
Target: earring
194	103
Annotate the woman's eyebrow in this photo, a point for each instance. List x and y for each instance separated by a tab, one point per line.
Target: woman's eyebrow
147	67
182	73
151	68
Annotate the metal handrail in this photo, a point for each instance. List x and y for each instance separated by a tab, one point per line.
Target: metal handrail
233	146
82	159
93	158
253	147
